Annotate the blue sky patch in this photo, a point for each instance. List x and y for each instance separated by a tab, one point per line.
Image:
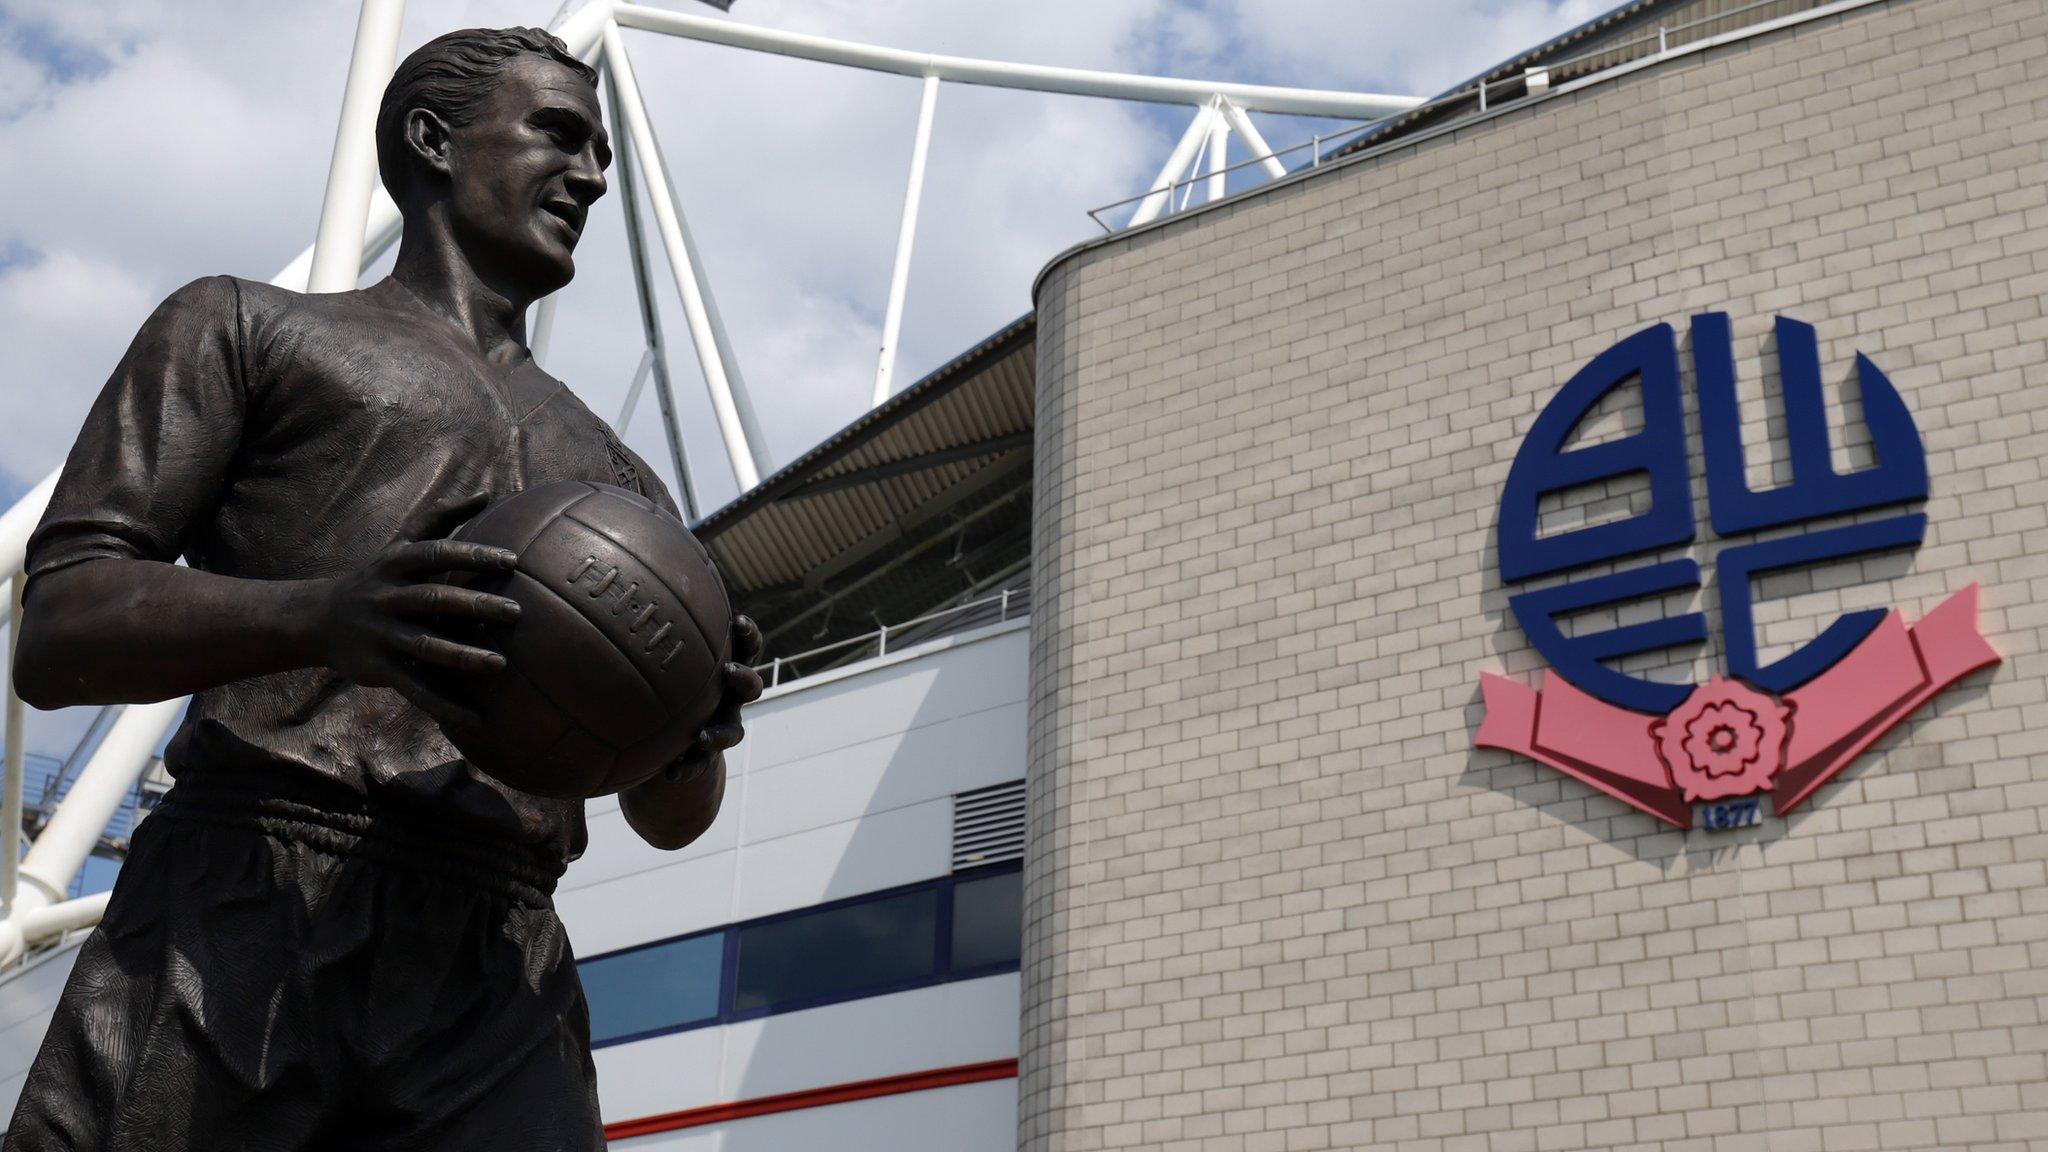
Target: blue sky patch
63	61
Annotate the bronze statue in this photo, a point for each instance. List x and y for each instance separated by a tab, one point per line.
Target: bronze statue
333	932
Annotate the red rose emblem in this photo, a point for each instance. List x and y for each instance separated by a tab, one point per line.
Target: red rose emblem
1727	739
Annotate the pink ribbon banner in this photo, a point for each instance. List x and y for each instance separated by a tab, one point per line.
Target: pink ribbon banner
1729	739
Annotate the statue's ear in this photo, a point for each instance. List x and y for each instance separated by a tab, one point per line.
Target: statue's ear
428	139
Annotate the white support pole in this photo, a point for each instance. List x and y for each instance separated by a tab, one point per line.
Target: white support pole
633	392
1186	183
381	233
1176	166
49	922
742	400
655	359
74	829
345	213
999	74
1219	157
583	31
906	237
19	522
542	328
1249	133
57	919
669	221
17	732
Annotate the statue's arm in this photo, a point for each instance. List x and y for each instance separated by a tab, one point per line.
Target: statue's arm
113	631
109	618
677	806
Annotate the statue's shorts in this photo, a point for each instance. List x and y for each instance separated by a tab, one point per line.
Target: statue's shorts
279	975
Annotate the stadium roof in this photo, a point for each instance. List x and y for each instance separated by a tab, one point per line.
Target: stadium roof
850	533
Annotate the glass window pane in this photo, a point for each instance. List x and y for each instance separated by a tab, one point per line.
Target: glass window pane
654	988
838	952
988	920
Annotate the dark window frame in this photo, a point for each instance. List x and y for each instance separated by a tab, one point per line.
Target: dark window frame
942	908
943	971
993	967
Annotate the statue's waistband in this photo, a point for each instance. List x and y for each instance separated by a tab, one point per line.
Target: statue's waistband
333	818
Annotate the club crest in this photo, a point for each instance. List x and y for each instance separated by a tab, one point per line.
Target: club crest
1781	728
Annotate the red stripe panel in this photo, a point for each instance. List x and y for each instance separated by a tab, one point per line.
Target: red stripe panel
814	1098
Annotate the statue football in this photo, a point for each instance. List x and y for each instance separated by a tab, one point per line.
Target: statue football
614	665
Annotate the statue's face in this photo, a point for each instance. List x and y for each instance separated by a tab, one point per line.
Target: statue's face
524	172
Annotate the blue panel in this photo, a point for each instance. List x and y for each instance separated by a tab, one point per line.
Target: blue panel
1542	466
830	953
653	989
870	945
1738	620
1577	659
1816	490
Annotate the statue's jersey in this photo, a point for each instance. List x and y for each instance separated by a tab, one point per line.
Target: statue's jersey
270	435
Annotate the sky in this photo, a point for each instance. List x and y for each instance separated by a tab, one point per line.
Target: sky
151	143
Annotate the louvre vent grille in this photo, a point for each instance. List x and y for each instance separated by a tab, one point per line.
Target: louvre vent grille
988	825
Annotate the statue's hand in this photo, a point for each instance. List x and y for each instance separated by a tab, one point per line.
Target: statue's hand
742	687
369	625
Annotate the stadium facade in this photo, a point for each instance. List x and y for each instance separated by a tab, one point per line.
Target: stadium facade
1181	804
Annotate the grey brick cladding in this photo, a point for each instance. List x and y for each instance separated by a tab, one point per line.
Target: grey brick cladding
1275	899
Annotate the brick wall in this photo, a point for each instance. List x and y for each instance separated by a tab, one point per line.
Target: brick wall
1275	899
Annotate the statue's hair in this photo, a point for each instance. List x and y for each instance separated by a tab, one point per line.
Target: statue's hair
450	76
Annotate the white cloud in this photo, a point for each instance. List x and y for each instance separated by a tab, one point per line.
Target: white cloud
75	306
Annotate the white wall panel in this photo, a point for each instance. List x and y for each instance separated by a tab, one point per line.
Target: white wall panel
650	905
953	755
964	1118
661	1075
616	850
938	1027
26	1003
892	698
971	1022
845	859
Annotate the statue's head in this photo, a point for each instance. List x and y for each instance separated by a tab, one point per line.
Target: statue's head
500	127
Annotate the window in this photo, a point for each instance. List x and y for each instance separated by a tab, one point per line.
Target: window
824	954
883	942
988	921
654	989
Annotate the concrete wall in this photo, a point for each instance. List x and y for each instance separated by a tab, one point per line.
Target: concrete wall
1275	899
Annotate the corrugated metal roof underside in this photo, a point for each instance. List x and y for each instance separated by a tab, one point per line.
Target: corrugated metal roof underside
920	505
809	522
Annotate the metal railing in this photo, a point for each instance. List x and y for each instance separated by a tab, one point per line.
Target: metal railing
1314	144
1010	603
1533	81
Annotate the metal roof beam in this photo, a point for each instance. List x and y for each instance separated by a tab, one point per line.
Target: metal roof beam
999	74
909	464
734	413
